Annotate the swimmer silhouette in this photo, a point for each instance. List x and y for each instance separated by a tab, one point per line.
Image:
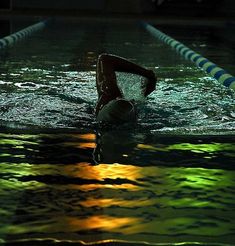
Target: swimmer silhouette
112	107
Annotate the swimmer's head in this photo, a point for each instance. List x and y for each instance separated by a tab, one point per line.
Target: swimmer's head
117	111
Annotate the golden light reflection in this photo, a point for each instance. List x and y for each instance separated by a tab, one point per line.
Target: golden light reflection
89	142
90	187
104	171
126	173
81	145
101	222
86	145
88	136
115	202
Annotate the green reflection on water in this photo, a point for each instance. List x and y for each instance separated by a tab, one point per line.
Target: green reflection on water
120	199
197	148
18	141
5	154
20	136
201	148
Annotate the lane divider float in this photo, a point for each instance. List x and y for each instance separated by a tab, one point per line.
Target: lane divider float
22	34
211	68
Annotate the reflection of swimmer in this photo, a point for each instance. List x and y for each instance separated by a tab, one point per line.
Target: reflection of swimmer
111	149
111	106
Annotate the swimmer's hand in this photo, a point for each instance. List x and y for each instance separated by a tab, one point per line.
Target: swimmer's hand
149	83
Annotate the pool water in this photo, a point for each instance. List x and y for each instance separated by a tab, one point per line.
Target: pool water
167	179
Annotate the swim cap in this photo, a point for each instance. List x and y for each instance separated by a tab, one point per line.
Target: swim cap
117	111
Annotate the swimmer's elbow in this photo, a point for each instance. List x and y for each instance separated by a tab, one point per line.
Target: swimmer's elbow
103	56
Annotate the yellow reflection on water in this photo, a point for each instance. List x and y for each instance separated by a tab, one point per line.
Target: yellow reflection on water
101	222
104	171
87	136
75	224
115	202
90	187
87	143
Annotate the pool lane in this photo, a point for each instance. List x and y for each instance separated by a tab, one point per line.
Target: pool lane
13	38
211	68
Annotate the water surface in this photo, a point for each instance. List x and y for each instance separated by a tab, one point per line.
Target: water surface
169	178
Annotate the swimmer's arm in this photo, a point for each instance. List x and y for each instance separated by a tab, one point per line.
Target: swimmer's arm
120	64
103	99
149	86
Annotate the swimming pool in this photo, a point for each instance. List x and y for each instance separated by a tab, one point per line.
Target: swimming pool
169	178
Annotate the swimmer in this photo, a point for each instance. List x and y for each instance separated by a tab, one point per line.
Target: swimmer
111	106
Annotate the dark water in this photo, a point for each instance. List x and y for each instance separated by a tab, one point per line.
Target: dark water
91	187
168	179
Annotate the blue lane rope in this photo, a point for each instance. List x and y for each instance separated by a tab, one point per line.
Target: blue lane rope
211	68
17	36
